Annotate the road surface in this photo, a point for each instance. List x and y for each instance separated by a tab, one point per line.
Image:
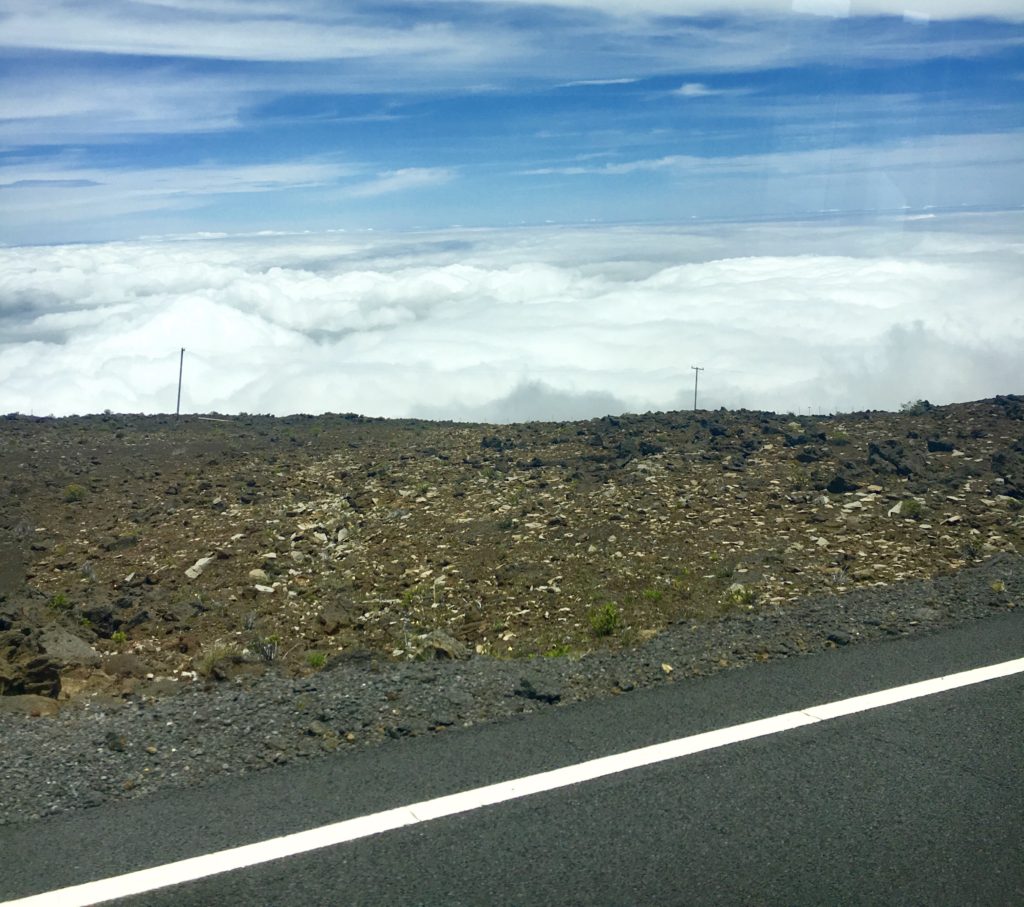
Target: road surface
916	802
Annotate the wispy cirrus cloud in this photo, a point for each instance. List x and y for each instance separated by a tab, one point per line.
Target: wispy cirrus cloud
61	189
928	9
598	82
943	171
310	32
82	104
700	90
401	181
935	153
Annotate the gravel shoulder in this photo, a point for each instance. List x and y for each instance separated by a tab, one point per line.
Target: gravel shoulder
98	751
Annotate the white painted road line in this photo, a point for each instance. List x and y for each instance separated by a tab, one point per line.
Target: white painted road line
352	829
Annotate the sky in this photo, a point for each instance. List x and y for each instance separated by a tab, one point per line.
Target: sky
504	210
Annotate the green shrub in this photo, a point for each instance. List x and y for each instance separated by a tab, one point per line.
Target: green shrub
59	602
119	637
213	655
652	595
316	660
73	493
911	509
738	594
604	620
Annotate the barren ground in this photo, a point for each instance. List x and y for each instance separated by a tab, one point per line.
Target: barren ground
138	553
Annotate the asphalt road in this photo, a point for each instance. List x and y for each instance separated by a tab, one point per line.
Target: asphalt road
921	802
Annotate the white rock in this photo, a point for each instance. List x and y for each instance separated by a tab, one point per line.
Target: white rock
199	566
261	588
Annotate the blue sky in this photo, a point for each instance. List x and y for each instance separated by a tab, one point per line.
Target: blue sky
121	118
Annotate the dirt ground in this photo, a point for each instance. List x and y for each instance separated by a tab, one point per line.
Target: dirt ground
143	552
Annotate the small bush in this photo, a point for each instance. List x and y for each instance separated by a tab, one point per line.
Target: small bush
267	648
73	493
208	662
119	637
738	594
59	602
652	595
604	620
911	509
997	586
316	660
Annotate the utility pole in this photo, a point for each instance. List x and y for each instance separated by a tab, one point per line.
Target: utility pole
181	368
696	375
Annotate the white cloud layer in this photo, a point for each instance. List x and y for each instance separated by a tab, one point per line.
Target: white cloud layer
529	324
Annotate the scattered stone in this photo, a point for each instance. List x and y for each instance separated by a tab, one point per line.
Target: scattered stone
841	483
125	664
29	705
68	649
333	618
199	566
319	729
437	645
115	742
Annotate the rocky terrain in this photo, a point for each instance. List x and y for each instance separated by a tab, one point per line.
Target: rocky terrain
139	555
186	599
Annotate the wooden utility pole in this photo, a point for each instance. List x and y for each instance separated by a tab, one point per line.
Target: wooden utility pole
696	375
181	368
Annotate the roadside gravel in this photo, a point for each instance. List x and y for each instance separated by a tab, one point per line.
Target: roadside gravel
98	751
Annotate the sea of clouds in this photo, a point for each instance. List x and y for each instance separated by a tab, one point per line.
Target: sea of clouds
518	324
